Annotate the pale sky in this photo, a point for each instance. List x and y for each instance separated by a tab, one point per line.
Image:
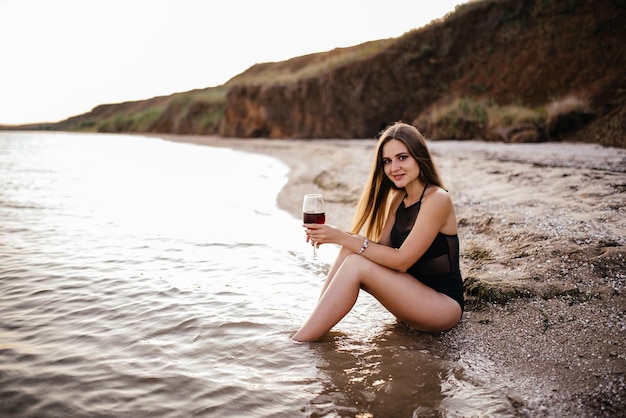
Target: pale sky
61	58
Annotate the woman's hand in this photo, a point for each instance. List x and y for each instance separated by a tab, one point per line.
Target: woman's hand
319	234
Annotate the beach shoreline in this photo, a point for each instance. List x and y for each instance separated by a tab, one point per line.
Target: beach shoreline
543	230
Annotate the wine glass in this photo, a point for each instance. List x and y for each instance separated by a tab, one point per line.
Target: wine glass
313	213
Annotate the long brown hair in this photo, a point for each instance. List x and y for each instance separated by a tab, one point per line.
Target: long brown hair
373	207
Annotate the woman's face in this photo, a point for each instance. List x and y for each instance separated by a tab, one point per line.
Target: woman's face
400	167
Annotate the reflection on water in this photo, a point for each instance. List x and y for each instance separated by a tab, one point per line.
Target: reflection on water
141	278
399	372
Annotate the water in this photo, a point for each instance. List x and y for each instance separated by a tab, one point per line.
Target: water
143	278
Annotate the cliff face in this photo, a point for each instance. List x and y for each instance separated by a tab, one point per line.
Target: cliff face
511	51
500	52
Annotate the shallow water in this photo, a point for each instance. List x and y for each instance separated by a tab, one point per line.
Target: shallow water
140	277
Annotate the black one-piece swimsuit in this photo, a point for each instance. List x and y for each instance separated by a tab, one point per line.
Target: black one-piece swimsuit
438	268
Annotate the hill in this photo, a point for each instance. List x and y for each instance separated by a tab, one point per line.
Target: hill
506	70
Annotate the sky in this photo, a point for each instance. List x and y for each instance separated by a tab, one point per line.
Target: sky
61	58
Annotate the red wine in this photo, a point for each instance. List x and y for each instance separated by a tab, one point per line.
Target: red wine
314	218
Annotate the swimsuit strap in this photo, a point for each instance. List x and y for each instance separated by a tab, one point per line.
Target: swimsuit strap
421	197
423	191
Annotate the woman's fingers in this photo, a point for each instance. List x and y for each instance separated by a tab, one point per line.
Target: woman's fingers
314	233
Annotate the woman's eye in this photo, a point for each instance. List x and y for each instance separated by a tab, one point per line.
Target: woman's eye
403	157
386	161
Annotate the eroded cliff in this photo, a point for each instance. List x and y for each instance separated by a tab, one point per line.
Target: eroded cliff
503	53
513	51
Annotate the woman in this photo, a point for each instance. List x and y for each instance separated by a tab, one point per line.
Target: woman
409	259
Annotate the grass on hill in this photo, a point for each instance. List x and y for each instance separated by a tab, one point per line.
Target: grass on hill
307	66
467	118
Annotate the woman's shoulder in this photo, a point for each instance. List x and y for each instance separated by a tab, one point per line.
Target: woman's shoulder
439	205
437	195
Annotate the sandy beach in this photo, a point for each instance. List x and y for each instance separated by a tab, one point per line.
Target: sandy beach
543	235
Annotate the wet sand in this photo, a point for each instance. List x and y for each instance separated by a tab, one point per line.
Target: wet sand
543	236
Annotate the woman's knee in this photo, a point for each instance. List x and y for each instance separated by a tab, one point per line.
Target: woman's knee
356	264
344	252
342	255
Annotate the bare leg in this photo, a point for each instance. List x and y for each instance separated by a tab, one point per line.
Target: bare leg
339	294
343	253
404	296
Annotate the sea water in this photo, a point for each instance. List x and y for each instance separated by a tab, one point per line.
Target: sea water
147	278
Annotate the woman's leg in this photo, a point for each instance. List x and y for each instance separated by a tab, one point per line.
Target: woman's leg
407	298
343	253
338	296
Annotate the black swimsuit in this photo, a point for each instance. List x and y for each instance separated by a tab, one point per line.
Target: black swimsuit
438	268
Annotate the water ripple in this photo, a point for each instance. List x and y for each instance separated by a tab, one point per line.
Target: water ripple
168	292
